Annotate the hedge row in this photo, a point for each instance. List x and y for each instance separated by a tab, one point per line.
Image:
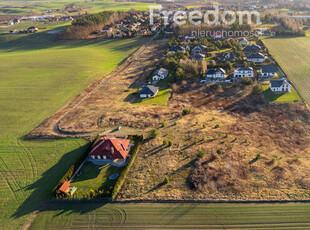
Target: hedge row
71	171
133	152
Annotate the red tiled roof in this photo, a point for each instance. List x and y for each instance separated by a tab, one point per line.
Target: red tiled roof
110	147
65	186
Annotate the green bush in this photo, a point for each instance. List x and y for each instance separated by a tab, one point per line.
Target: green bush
219	151
154	133
186	111
201	153
166	180
216	126
258	156
170	143
165	142
246	81
257	89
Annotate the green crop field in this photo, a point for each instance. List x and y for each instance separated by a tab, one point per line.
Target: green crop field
173	216
38	75
292	54
23	8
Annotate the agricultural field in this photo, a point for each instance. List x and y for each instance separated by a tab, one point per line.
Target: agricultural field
23	8
284	97
38	76
292	54
173	216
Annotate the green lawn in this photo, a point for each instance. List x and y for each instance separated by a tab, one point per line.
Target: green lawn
38	75
161	98
24	8
285	97
293	55
173	216
95	177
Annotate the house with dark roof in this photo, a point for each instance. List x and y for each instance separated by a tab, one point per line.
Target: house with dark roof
243	72
224	57
269	71
109	149
199	49
243	41
256	57
280	85
198	57
252	49
160	74
217	73
176	49
149	91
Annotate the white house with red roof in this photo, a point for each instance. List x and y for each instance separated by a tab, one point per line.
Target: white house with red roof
109	149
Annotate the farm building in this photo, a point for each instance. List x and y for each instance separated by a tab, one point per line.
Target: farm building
149	91
243	72
269	71
280	85
109	149
218	73
160	74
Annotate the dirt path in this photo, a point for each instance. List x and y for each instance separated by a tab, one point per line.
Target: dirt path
50	128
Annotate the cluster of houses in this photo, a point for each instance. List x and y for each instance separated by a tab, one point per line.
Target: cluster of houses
43	18
31	29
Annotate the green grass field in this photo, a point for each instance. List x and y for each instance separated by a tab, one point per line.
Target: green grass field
95	177
38	75
292	54
173	216
285	97
23	8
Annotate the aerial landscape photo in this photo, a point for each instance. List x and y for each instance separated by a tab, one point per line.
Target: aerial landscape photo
154	114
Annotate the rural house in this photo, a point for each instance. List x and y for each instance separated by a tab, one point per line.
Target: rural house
269	71
223	57
256	57
160	74
176	49
243	41
217	73
252	49
198	57
199	49
149	91
243	72
280	85
109	149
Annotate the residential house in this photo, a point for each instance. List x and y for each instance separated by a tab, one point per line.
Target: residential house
149	91
176	48
65	188
32	29
16	21
243	41
269	71
217	73
224	57
160	74
252	49
109	149
256	57
198	57
199	49
243	72
280	85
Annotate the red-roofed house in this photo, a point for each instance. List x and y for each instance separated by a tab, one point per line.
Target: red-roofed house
109	149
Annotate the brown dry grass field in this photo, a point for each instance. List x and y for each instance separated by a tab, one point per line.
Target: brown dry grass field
232	146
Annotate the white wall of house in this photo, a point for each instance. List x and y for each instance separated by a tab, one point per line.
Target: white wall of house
269	74
283	88
217	75
256	60
243	74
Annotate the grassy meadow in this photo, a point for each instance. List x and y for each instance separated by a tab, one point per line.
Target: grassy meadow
284	97
38	75
173	216
292	54
23	8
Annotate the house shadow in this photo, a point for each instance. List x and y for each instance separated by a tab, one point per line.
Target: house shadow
42	188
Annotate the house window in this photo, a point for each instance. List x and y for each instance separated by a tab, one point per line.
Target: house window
98	157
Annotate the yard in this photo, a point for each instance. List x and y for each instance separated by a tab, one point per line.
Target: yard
292	54
282	97
94	177
38	76
161	99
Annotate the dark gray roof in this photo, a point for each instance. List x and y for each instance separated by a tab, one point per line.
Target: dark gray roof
256	55
176	48
277	82
269	69
252	48
162	71
214	71
149	89
244	69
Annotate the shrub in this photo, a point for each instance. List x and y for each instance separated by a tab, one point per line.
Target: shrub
226	135
163	124
219	151
201	153
186	111
165	142
154	133
166	181
258	156
216	126
246	81
170	143
204	126
213	118
257	89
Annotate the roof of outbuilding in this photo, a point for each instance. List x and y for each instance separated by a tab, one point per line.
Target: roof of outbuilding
149	89
65	186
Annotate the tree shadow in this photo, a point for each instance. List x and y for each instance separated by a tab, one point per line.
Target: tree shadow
42	188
